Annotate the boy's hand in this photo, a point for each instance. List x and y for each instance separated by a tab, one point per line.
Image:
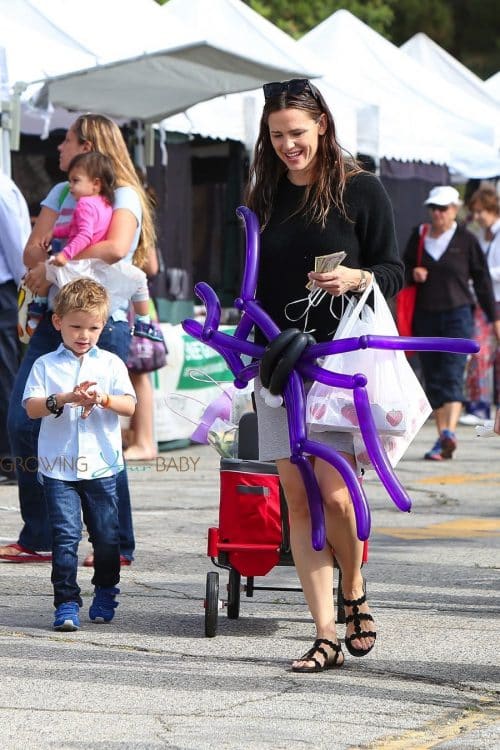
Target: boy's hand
88	397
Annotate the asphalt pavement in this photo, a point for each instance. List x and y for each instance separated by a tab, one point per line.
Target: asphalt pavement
151	679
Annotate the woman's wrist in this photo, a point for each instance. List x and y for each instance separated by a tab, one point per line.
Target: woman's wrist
361	281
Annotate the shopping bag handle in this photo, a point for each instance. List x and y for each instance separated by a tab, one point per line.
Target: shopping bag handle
355	311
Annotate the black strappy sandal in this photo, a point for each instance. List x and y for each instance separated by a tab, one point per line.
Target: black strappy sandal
356	618
328	663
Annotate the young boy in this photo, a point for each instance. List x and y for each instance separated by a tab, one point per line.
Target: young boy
79	448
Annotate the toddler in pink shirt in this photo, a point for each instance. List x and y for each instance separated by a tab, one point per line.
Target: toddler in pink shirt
91	183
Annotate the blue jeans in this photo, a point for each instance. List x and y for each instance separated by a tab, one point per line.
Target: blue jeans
443	371
99	501
23	434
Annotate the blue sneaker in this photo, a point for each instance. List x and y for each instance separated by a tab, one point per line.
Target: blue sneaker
435	452
448	443
66	617
103	606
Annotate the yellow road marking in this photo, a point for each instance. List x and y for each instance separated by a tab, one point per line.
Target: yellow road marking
441	729
458	479
463	528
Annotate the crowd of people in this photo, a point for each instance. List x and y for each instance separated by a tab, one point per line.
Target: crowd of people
72	384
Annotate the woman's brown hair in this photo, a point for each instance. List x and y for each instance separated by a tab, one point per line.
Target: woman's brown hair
487	199
333	166
105	136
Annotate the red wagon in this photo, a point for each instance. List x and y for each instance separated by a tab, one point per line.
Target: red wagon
251	539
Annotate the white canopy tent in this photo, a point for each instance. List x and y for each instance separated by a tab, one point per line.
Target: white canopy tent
436	59
167	60
421	117
492	85
191	53
237	116
32	47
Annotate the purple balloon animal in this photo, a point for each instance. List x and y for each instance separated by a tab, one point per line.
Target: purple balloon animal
231	348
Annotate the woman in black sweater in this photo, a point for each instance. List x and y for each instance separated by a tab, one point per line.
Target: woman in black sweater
311	200
451	260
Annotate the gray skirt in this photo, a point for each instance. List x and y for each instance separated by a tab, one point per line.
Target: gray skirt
274	441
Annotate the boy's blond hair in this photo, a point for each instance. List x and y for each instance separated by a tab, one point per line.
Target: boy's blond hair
82	295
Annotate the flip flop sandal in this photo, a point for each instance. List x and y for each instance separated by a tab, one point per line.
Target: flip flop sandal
89	561
24	556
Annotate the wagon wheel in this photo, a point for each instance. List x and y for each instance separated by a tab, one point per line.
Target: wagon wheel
211	604
233	595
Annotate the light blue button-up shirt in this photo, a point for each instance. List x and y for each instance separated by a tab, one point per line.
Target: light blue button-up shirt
69	447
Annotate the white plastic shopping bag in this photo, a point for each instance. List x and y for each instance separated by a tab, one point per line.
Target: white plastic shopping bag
120	279
398	403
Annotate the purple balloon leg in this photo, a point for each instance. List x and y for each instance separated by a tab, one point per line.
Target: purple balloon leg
333	379
318	534
262	320
295	402
421	344
338	346
243	328
359	501
196	330
226	341
376	452
212	305
457	346
250	274
247	374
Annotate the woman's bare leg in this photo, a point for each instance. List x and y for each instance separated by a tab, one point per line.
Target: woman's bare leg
342	536
144	446
314	568
447	416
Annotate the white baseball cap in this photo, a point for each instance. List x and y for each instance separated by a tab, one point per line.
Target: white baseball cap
443	195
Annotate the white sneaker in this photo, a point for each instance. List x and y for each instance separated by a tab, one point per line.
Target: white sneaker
470	420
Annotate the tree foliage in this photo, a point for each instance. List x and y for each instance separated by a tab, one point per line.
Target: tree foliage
298	16
468	29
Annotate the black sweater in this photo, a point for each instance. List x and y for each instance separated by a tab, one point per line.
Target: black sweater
290	243
448	281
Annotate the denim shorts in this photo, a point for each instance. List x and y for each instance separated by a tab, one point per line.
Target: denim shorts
115	337
444	371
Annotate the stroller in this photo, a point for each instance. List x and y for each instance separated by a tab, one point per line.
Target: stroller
253	533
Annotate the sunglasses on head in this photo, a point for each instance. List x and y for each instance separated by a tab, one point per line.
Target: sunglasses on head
294	86
435	207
